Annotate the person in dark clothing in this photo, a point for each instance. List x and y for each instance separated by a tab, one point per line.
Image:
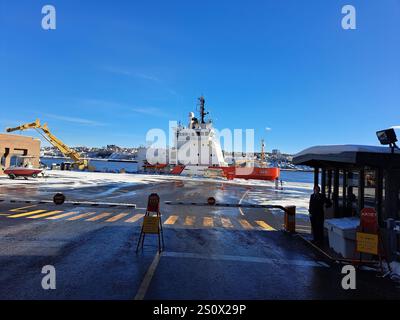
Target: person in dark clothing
317	214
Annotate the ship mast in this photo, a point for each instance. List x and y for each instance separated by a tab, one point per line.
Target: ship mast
262	150
203	113
263	163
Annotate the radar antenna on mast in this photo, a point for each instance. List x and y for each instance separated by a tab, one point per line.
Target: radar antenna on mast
203	113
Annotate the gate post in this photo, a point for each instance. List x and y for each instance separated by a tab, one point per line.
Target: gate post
290	219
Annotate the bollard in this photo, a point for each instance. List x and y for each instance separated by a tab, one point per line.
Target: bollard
290	219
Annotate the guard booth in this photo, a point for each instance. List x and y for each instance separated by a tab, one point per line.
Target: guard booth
354	177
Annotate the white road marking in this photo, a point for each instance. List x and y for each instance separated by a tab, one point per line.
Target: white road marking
300	263
144	286
244	196
240	201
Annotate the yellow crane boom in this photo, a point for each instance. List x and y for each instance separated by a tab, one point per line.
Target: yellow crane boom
80	163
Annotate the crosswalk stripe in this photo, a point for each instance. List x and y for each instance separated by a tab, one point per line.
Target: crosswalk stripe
100	216
189	220
135	218
83	215
245	224
226	223
171	220
26	214
265	225
22	208
50	213
117	217
208	222
62	215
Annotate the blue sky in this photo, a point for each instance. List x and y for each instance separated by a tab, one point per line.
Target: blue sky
114	69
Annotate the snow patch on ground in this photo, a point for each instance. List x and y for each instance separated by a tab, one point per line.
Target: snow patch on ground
395	266
260	192
74	179
81	179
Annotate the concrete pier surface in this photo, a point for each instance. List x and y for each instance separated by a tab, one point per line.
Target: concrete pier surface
210	252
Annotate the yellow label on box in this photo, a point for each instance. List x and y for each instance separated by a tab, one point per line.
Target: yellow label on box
367	243
151	224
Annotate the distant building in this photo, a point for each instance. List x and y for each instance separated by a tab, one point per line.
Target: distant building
12	146
276	154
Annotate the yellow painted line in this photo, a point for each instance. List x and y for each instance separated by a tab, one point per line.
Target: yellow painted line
117	217
100	216
299	227
226	223
50	213
135	218
189	220
62	215
303	230
208	222
26	214
22	208
83	215
245	224
265	225
171	219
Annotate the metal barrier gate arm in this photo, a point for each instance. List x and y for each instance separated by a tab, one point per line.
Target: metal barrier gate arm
289	218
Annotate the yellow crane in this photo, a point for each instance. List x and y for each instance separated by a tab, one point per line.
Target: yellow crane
44	131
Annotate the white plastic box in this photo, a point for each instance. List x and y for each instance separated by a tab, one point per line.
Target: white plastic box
342	235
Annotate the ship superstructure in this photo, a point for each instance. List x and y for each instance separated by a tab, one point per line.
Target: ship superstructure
196	151
196	146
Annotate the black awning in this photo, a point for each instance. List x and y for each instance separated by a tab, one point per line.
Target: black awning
382	158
